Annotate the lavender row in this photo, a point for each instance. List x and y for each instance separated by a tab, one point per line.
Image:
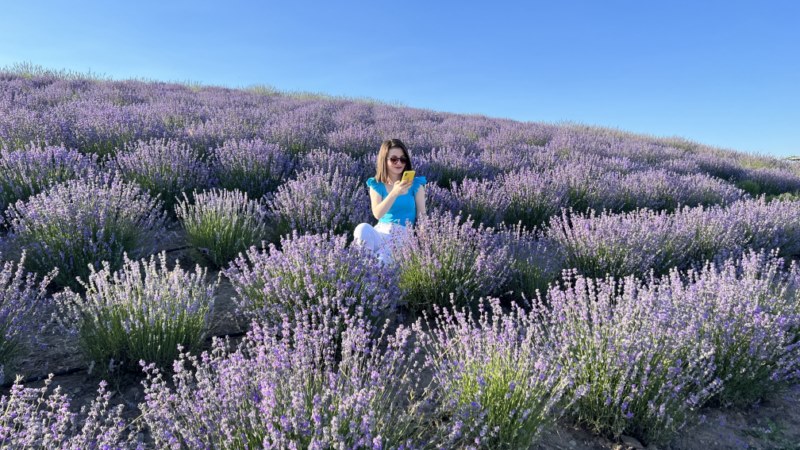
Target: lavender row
644	240
105	117
447	260
618	355
532	197
117	217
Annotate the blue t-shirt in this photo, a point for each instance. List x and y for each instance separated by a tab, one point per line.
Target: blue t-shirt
404	207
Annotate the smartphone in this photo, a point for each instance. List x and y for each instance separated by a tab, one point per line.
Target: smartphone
408	175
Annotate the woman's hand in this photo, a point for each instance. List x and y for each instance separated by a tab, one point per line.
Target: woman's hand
400	187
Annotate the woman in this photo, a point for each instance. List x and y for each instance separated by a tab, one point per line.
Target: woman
395	203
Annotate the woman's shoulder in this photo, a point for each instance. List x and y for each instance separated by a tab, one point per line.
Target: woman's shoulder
418	182
374	184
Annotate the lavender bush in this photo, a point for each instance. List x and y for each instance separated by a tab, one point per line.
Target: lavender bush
769	181
536	196
80	223
661	190
536	261
302	127
619	244
320	202
768	225
220	127
291	390
144	311
254	167
308	270
27	172
355	138
496	378
639	370
23	302
330	161
446	165
98	126
450	255
482	200
221	224
643	240
163	168
38	418
747	308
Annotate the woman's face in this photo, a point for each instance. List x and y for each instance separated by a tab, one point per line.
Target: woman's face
397	167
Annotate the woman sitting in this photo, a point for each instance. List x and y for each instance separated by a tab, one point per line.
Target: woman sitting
395	203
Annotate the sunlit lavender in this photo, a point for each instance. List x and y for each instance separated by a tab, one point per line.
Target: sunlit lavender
27	172
23	302
221	224
637	279
165	169
291	389
144	311
255	167
81	223
310	273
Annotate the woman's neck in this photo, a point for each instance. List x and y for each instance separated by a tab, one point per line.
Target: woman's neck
392	179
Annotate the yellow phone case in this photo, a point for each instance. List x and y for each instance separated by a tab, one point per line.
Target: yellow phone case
408	175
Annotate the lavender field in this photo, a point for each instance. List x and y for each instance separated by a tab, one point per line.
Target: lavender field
185	253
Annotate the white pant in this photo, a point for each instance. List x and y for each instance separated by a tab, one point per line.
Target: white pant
380	239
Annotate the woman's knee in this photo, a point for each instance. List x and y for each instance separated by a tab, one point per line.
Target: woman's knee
362	230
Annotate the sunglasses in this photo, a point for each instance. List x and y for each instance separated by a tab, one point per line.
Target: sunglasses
395	159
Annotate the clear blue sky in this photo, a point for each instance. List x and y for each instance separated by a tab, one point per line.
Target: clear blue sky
724	73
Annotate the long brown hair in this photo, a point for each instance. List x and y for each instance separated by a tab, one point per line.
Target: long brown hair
381	170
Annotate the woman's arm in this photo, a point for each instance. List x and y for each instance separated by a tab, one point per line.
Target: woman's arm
419	199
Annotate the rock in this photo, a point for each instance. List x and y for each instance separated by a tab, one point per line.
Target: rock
631	442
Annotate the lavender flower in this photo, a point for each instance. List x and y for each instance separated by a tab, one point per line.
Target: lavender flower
661	190
22	302
449	255
302	127
143	311
619	245
254	167
770	181
354	138
496	377
643	240
82	222
330	161
320	202
291	389
639	370
446	165
535	196
221	224
483	200
163	168
41	418
27	172
747	309
537	261
311	272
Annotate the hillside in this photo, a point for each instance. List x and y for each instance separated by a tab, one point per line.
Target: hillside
631	284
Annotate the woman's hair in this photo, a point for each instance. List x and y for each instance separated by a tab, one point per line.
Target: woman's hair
381	171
